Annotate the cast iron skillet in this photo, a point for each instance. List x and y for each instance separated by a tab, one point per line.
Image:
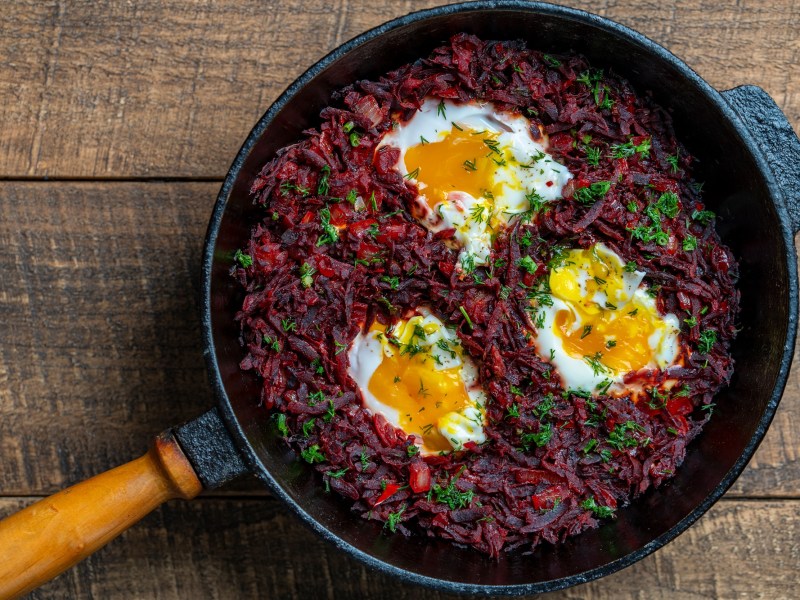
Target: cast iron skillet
750	161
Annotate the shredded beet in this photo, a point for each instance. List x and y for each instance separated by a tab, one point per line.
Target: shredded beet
338	229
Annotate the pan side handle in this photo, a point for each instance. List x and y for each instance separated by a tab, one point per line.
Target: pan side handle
773	134
55	533
210	449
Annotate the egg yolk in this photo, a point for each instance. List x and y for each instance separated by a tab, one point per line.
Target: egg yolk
410	383
606	323
463	160
628	333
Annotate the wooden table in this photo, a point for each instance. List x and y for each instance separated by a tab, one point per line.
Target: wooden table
119	121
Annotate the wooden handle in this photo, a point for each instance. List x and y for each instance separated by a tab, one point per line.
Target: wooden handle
49	537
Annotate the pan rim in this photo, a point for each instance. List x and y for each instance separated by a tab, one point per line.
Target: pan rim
692	78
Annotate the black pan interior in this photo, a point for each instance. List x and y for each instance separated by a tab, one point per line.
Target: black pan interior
735	189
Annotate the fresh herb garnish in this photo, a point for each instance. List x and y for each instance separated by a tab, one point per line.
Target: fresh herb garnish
323	187
540	438
308	426
330	234
621	438
592	155
668	204
703	216
393	519
413	174
315	398
591	194
551	61
272	343
306	275
280	422
394	282
527	263
707	340
244	260
451	495
603	512
466	317
628	149
673	159
288	186
312	454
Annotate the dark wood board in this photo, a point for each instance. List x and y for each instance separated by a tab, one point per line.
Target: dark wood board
170	88
148	102
253	548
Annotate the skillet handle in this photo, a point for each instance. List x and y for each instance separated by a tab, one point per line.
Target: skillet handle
773	134
210	449
50	536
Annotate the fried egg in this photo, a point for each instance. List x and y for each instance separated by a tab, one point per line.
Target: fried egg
596	322
416	374
477	169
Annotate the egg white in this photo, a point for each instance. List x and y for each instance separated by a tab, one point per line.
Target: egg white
531	170
367	352
577	373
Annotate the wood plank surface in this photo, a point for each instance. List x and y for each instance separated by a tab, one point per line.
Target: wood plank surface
99	281
99	313
226	549
166	88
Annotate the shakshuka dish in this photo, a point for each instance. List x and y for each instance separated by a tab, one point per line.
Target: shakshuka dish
485	297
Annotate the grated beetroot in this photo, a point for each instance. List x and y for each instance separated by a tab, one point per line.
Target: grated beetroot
337	228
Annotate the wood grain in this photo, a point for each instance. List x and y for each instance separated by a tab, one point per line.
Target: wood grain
99	313
99	320
159	88
99	281
50	536
226	549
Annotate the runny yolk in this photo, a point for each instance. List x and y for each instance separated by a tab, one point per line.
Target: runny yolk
460	161
611	322
421	394
628	333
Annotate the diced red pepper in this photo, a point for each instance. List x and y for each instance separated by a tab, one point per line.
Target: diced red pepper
679	405
359	228
440	520
446	267
367	250
339	213
528	279
419	476
661	183
561	142
388	492
720	260
546	499
682	425
308	217
269	255
324	266
391	232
